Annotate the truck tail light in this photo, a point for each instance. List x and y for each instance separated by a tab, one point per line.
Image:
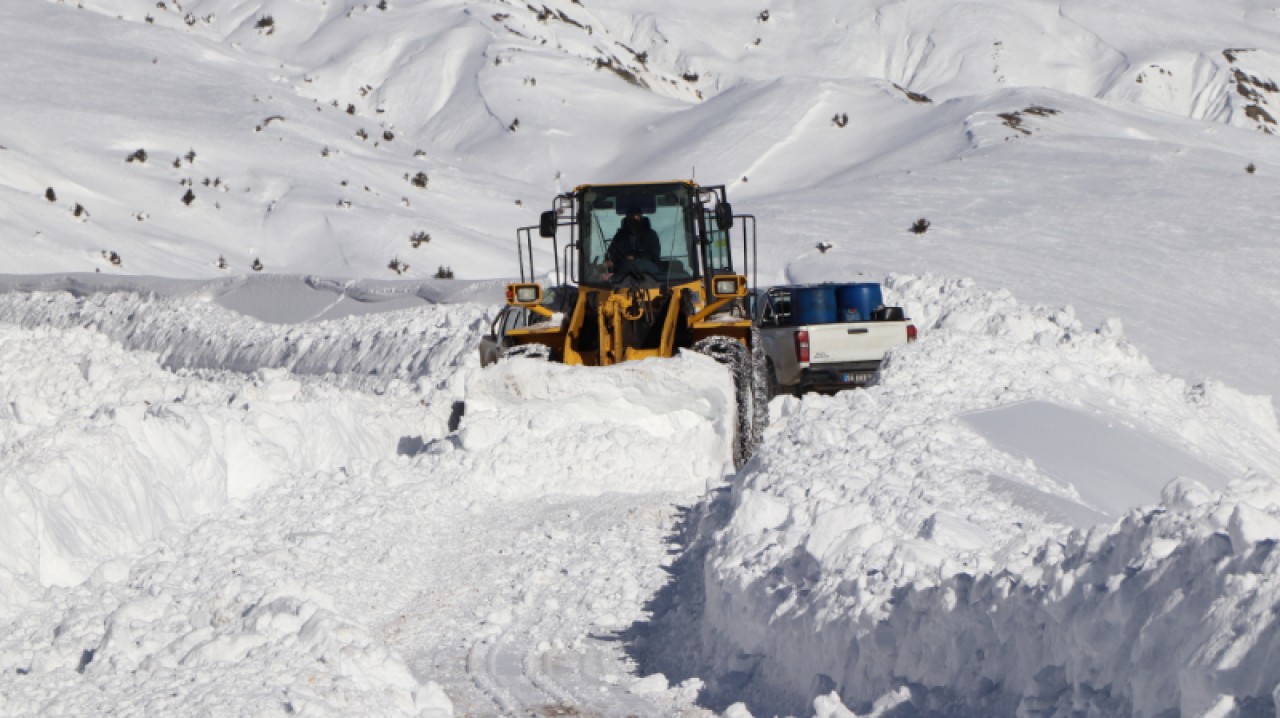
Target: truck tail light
911	332
802	346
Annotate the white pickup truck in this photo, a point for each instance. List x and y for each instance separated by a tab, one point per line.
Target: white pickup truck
827	356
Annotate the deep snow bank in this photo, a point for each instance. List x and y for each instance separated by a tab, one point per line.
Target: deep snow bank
289	603
878	541
534	428
191	330
102	449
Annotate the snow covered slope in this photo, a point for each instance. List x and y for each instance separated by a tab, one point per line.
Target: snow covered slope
235	464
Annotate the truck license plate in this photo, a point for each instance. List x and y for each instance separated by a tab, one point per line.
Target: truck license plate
859	377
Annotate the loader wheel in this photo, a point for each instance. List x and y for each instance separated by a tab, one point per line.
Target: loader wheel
533	350
737	358
761	376
771	380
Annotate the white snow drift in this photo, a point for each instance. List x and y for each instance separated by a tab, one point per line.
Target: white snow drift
879	542
284	526
262	496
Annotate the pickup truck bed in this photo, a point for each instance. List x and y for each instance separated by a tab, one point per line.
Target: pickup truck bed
825	357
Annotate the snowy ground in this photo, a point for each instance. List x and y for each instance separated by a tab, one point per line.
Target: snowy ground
238	543
229	491
343	538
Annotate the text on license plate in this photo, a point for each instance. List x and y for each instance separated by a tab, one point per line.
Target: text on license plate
856	377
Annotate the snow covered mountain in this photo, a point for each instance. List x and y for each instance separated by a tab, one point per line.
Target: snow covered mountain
234	467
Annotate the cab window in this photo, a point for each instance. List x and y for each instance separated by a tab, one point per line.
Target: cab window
666	207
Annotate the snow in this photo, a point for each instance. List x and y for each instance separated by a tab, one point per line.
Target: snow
270	530
1112	467
877	540
293	491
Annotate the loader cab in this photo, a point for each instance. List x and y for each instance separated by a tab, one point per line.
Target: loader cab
671	212
694	227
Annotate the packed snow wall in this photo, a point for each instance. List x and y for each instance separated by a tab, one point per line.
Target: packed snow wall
897	545
190	329
227	542
105	448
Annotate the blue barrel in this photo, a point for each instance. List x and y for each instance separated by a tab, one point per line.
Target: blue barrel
814	305
856	302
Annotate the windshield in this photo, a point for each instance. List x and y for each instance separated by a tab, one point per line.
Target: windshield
641	231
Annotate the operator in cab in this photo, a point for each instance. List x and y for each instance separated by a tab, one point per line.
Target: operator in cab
635	248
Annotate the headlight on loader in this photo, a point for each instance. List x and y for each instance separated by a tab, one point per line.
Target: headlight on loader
735	286
524	295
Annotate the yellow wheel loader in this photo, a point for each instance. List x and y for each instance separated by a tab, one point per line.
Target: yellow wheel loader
649	269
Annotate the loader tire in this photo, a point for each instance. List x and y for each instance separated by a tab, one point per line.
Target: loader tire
533	350
737	358
763	384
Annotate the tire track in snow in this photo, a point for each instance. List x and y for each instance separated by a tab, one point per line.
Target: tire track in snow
537	638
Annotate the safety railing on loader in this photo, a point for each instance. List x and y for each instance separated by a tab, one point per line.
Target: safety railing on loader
748	224
524	243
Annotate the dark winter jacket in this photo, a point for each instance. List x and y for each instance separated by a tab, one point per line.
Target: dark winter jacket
635	240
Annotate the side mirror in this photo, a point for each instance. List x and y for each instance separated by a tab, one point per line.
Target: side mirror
547	224
724	215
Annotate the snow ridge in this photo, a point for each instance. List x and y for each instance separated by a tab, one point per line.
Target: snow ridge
879	542
194	333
